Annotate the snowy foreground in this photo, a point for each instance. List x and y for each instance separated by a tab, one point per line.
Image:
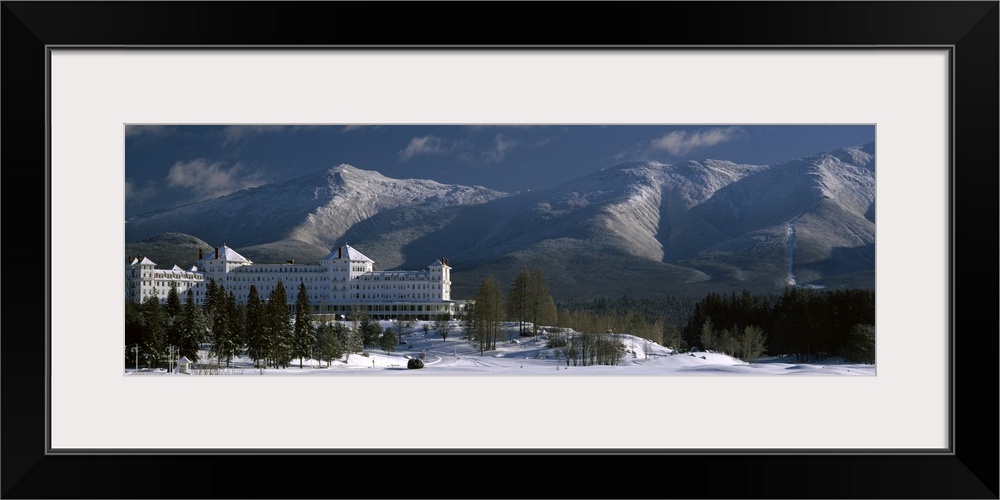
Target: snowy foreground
526	356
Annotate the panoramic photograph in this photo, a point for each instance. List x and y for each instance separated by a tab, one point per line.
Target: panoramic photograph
499	250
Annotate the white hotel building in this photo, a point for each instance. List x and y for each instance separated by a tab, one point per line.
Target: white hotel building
339	284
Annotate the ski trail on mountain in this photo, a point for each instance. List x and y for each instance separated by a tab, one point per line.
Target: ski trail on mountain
791	250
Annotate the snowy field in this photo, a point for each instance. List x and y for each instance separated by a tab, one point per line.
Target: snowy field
526	356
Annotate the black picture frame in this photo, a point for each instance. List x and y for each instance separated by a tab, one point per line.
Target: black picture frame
969	28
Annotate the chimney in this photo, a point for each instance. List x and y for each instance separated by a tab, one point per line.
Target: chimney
200	254
340	253
216	252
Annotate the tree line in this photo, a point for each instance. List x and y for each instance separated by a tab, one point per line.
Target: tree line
809	324
265	330
526	302
806	323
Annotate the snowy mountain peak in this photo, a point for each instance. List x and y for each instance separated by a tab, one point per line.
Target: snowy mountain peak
315	209
676	225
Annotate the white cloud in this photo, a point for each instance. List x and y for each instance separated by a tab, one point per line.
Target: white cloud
425	145
500	148
135	193
205	179
680	142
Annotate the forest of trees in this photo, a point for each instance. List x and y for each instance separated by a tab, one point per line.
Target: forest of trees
529	304
810	324
264	330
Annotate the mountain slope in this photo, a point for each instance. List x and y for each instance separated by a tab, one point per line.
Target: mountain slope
169	249
315	209
643	228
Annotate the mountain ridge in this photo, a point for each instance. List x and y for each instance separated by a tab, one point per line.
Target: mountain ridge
713	222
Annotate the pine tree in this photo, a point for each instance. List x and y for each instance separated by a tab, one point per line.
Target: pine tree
221	322
258	339
134	326
388	341
211	297
174	317
861	345
304	335
329	345
193	328
280	325
237	327
370	330
152	342
350	339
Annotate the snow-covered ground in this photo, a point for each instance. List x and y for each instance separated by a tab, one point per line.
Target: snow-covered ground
527	356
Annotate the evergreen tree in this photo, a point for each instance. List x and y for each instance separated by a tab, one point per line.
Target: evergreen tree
237	327
349	338
152	339
280	326
258	330
211	297
174	317
328	342
193	328
861	345
388	341
135	330
304	336
220	321
370	330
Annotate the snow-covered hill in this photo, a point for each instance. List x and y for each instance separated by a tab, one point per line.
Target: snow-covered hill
527	356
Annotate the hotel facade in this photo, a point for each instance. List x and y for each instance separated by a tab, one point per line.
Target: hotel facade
339	284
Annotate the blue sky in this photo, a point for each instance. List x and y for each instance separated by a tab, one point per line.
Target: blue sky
169	165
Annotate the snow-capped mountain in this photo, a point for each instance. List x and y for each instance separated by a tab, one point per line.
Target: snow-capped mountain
305	216
639	228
